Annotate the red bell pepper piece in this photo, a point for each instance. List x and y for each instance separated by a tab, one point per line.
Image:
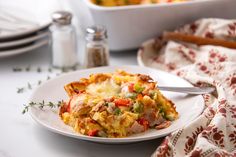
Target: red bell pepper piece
144	123
92	132
122	102
131	87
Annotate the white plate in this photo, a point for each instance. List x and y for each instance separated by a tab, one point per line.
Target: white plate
147	53
24	49
188	106
37	12
26	40
16	22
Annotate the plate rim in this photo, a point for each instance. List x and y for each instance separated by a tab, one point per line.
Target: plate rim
17	51
101	139
24	33
140	52
21	41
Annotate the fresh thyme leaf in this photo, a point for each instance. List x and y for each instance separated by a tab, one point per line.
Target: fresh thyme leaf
64	69
39	82
74	68
117	111
29	85
26	109
39	70
17	69
20	90
27	68
32	104
59	103
49	69
50	104
48	78
23	111
41	105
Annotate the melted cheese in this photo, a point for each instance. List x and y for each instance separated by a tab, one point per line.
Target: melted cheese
104	89
78	100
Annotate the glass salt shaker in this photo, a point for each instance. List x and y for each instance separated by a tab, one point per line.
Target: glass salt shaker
64	44
97	51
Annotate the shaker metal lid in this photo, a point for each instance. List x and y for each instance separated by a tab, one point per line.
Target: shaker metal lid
62	17
96	32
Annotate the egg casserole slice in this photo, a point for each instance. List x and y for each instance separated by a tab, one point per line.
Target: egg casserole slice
116	104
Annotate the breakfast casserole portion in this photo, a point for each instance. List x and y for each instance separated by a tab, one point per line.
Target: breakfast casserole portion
116	104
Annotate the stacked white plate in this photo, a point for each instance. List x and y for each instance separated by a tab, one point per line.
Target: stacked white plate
24	28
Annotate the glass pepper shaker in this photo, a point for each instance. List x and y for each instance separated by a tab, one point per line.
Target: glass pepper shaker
64	43
97	51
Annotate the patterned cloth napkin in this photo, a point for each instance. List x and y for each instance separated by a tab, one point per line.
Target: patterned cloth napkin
213	133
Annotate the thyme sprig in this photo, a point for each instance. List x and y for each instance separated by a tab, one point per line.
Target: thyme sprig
30	86
17	69
49	70
44	69
41	105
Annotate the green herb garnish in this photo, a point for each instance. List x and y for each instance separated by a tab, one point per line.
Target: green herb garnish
138	88
41	105
131	95
138	107
117	111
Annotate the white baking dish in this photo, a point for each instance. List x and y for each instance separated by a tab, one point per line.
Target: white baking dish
129	26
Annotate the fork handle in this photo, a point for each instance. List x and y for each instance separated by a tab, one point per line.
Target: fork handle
189	90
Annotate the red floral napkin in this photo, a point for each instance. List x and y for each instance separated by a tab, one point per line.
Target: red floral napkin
213	133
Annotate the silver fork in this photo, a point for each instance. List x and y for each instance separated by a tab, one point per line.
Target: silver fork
189	90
